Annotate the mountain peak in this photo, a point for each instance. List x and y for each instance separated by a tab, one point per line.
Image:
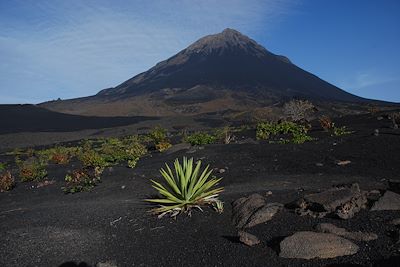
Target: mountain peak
228	39
229	31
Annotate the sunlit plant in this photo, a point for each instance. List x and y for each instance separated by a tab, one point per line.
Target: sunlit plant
186	188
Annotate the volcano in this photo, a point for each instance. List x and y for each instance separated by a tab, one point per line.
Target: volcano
222	71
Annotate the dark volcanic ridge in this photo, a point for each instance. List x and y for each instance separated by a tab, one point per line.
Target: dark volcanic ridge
227	70
30	118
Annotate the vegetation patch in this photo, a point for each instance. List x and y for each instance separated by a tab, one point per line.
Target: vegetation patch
186	188
81	180
339	131
283	132
91	158
58	154
200	138
162	146
32	169
159	136
326	123
329	126
7	181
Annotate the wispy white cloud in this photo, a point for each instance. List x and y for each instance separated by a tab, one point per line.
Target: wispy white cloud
67	49
372	84
366	78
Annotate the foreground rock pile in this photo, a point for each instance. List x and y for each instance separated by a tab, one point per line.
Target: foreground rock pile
343	201
326	240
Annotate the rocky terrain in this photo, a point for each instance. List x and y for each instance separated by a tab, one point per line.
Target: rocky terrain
331	201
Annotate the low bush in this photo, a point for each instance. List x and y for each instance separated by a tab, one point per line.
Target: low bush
134	152
286	131
91	158
32	169
81	180
58	154
339	131
329	126
186	188
200	138
158	134
326	123
162	146
113	150
7	181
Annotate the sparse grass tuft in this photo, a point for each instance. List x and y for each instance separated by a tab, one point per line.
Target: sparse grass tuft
225	134
189	188
2	166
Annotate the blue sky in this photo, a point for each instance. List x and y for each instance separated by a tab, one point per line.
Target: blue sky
71	48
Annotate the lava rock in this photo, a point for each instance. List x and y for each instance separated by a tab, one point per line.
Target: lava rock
389	201
310	245
253	210
357	236
373	195
344	201
248	239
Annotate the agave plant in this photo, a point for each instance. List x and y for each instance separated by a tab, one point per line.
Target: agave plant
188	187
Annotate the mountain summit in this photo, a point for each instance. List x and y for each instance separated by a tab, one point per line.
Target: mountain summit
227	70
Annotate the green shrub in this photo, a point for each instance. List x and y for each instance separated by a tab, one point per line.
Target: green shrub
81	180
189	188
32	169
91	158
162	146
58	154
134	152
113	150
296	132
158	134
6	181
339	131
200	138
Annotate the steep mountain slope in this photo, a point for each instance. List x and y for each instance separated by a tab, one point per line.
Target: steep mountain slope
221	71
